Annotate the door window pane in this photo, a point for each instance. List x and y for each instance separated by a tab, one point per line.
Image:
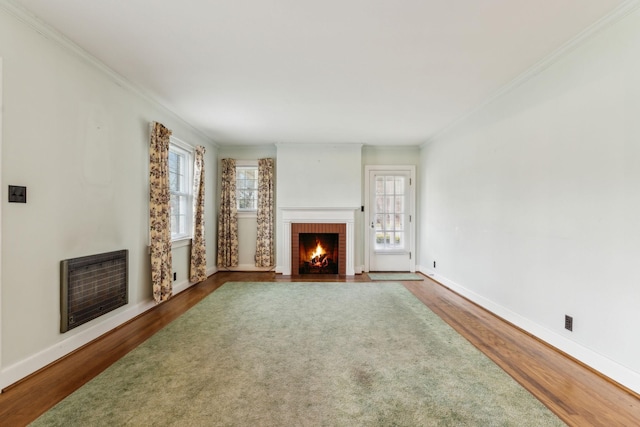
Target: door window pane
389	219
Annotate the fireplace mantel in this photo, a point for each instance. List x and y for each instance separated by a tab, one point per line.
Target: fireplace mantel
317	215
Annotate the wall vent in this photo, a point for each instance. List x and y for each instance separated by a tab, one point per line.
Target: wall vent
91	286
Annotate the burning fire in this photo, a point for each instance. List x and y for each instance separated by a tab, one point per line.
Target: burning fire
319	251
318	257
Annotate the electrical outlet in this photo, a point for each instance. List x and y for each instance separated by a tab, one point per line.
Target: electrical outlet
434	264
175	276
568	322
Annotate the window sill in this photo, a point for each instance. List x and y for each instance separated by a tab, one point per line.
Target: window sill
247	214
180	243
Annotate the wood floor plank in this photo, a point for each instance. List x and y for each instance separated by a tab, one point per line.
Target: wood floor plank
578	395
575	393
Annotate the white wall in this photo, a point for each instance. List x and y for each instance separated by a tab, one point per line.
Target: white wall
320	176
531	206
77	137
390	155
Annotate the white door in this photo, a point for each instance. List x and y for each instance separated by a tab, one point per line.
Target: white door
390	218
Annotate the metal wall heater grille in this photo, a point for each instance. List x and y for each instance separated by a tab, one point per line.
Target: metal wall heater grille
91	286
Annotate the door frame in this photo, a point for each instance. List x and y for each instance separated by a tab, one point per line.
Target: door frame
1	192
411	169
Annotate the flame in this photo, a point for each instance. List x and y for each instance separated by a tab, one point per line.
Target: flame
319	251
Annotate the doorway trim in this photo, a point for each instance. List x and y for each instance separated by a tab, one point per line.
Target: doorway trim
411	169
1	192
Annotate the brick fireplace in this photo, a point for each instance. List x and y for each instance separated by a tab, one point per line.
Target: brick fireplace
317	220
319	229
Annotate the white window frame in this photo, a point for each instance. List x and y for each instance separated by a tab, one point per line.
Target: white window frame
183	149
243	212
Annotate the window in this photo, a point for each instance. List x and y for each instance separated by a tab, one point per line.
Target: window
390	212
247	187
180	186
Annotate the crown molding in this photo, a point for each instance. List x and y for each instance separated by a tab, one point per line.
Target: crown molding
306	145
625	8
28	18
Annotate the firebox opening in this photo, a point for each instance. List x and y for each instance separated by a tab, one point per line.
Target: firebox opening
319	253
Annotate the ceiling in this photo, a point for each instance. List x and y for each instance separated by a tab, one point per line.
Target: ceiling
376	72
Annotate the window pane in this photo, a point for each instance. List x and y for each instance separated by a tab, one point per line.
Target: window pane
389	204
379	185
182	224
173	161
177	171
379	221
399	187
247	187
388	222
399	204
173	182
179	214
180	186
173	167
174	225
175	205
389	182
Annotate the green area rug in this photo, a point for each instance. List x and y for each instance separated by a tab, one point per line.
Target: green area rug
390	277
303	354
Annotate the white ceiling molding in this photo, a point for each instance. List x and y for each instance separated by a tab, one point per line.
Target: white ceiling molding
602	24
50	33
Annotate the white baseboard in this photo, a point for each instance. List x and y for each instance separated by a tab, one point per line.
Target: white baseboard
179	287
248	267
596	361
22	369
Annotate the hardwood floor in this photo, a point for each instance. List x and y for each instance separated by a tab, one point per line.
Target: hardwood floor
576	394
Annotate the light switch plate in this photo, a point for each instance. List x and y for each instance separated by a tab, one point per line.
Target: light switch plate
17	194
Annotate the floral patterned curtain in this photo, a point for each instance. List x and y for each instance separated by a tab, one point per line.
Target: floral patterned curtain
159	213
198	270
264	243
228	217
